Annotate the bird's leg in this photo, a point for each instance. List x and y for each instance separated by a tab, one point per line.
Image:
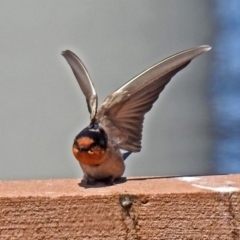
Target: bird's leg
89	180
109	181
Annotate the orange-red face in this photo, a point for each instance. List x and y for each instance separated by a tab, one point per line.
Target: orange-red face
89	146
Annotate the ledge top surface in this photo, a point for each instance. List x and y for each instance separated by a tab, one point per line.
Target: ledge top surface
143	185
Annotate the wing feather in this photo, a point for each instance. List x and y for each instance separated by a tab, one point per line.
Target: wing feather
122	113
84	81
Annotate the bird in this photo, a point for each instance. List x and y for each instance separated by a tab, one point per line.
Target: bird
115	128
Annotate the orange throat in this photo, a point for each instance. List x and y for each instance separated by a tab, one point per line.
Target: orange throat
90	157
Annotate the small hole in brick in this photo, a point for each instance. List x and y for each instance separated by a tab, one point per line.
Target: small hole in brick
144	201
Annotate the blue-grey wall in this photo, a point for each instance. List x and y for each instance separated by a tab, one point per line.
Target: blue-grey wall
225	86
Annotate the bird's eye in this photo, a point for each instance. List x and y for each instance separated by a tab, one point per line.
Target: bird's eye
94	126
83	148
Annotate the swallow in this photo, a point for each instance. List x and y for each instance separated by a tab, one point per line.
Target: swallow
115	129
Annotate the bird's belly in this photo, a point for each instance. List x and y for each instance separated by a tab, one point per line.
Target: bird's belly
112	167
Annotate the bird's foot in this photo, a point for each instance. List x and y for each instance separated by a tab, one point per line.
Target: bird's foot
90	180
109	181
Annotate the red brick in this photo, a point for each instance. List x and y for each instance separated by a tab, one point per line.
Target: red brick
139	208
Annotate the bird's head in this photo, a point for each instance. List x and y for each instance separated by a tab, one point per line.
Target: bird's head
90	145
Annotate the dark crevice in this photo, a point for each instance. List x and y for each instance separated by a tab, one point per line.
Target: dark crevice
129	215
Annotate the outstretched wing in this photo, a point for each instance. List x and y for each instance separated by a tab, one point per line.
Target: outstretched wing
122	113
84	81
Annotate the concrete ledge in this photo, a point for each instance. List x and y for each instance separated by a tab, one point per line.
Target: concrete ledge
147	208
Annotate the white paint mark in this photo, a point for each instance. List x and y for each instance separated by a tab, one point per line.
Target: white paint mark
223	189
189	179
201	183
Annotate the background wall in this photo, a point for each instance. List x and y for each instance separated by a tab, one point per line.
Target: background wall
42	107
225	86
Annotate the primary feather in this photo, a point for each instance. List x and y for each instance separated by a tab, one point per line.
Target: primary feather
84	81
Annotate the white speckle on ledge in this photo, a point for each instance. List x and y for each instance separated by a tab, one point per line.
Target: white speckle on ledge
204	183
189	179
223	189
